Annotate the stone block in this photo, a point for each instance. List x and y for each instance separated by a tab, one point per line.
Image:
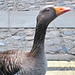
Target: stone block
29	38
9	2
2	43
68	33
17	37
1	3
51	49
49	42
72	51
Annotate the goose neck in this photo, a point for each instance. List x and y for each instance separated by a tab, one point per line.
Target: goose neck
38	44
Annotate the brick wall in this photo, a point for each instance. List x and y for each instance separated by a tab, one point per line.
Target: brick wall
24	4
19	4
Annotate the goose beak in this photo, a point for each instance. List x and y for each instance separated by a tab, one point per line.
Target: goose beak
61	10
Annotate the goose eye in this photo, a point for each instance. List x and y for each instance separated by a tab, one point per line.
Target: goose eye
47	9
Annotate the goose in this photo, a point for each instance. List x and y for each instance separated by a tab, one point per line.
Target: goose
19	62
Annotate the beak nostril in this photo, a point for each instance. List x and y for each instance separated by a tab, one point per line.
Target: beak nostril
61	8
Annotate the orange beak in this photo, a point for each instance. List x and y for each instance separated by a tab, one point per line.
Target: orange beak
61	10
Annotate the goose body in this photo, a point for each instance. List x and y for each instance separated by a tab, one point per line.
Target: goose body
17	62
20	63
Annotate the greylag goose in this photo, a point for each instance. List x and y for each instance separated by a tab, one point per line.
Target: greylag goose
18	62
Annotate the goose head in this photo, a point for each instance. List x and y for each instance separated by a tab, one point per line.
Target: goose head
47	14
